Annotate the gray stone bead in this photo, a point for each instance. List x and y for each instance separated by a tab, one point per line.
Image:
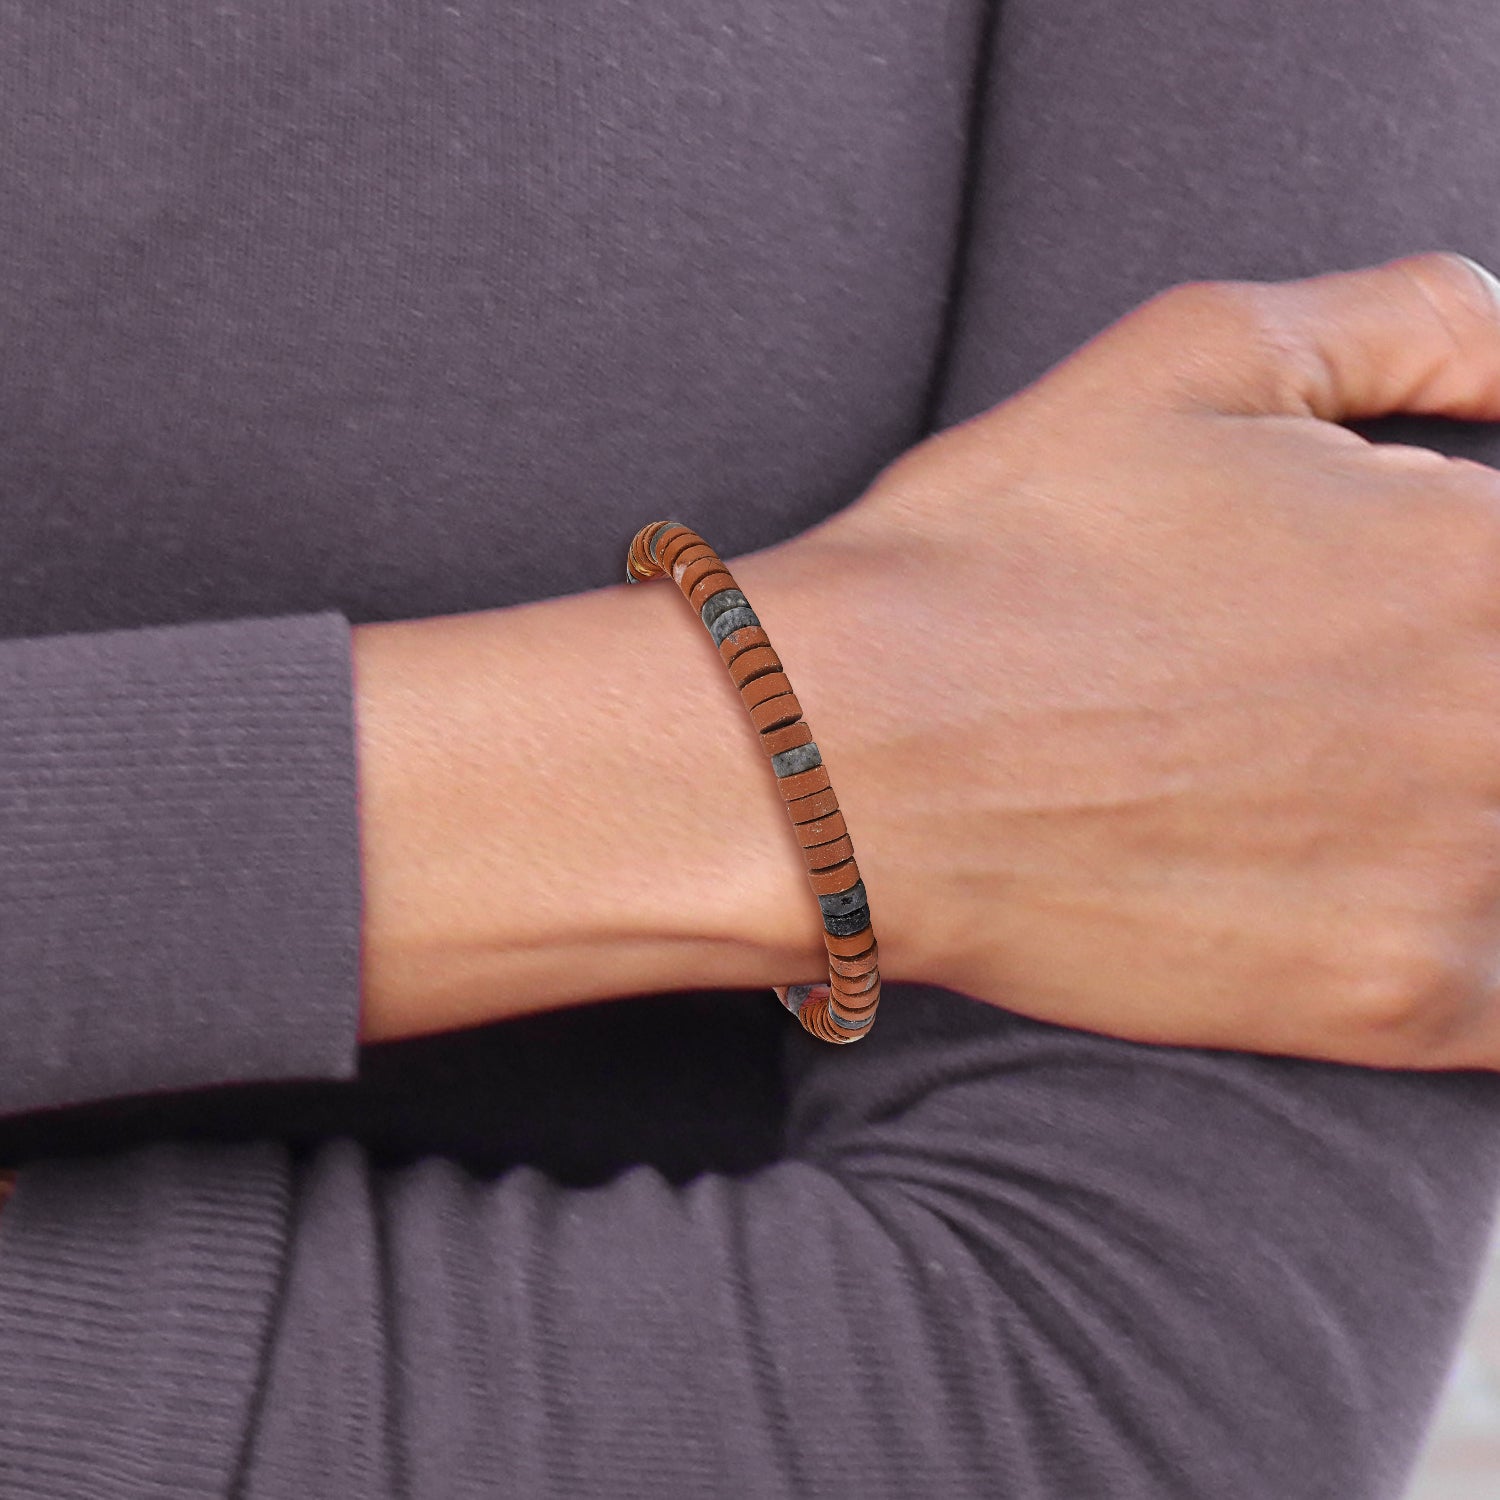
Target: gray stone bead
847	925
716	604
798	758
859	1025
730	621
841	903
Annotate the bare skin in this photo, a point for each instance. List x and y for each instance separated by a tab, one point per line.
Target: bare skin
1158	704
1177	704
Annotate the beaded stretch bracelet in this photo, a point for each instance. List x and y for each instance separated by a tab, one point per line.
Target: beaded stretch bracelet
843	1010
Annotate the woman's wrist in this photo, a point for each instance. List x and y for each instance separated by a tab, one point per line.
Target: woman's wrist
565	802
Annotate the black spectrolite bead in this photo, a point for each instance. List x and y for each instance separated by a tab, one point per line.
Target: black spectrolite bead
716	604
847	925
730	621
840	903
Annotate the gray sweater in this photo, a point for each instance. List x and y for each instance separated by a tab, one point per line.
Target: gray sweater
345	310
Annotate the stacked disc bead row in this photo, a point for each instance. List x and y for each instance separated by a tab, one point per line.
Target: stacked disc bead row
843	1009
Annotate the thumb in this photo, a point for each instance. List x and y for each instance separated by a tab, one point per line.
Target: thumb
1419	334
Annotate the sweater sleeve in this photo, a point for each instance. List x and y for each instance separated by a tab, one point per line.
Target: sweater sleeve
996	1258
168	797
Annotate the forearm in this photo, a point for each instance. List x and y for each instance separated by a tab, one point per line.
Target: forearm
564	802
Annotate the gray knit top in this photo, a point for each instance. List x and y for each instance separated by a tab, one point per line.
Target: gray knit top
316	312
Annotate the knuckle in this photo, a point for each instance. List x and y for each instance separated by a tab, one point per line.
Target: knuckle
1446	281
1232	307
1448	293
1236	335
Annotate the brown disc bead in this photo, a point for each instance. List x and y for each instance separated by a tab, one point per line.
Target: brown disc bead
662	531
865	1014
857	1005
758	689
690	570
800	783
682	550
853	990
709	584
741	640
860	1017
752	663
830	882
685	562
787	737
853	944
820	830
674	542
777	713
638	565
853	968
639	558
817	804
756	662
823	1027
859	1023
814	1019
812	1012
690	541
857	1026
749	635
835	851
657	528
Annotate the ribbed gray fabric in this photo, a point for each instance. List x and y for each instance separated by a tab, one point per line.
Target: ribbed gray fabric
336	311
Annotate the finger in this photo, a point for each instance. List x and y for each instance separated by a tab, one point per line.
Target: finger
1419	334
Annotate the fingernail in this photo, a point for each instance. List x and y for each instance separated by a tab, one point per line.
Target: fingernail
1490	280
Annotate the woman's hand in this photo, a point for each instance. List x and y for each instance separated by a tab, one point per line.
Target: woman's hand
1162	706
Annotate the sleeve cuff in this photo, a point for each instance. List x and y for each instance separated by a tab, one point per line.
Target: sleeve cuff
179	859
